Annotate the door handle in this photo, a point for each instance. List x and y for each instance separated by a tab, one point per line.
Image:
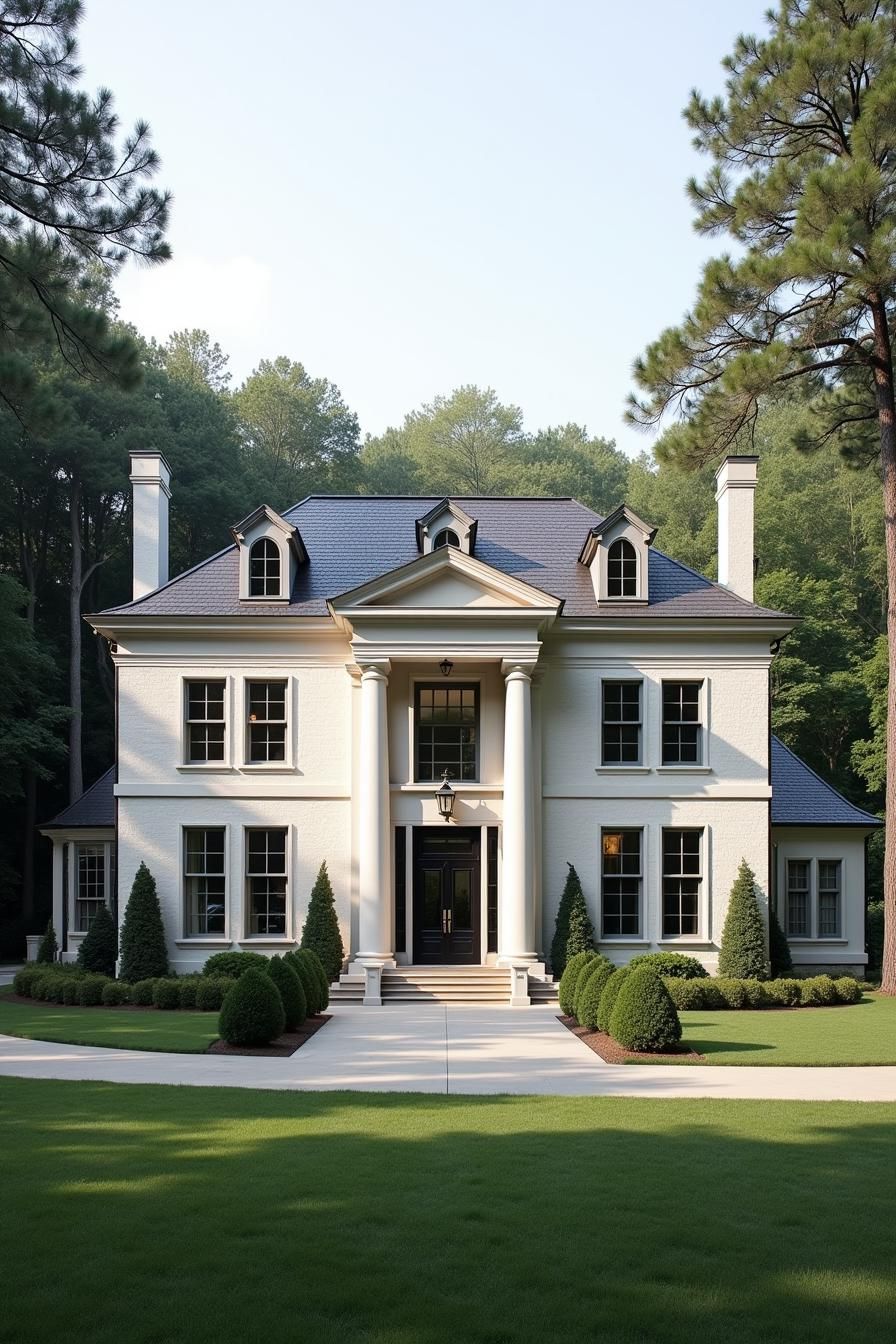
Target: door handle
444	921
448	912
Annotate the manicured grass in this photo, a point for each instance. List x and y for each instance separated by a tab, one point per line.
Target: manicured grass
864	1033
208	1215
184	1032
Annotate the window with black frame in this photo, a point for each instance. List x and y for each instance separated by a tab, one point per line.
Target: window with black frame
621	883
682	729
682	882
266	881
446	730
264	569
204	880
621	727
622	569
266	709
205	721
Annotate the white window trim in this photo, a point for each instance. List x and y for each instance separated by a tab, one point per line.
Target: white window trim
427	786
288	765
74	847
204	939
622	532
265	534
206	767
266	939
625	767
704	901
813	936
618	939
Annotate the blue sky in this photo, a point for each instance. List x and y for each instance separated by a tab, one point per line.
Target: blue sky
407	196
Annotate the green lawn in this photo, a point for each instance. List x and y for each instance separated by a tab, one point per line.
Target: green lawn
168	1214
864	1033
184	1032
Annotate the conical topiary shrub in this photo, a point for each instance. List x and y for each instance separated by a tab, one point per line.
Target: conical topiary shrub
588	970
310	981
144	955
608	997
589	995
286	978
574	930
252	1012
100	946
320	932
644	1017
47	947
561	928
316	966
566	990
743	954
778	947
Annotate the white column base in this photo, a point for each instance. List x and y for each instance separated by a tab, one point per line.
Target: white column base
519	985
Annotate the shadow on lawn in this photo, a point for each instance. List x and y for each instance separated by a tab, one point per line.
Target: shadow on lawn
422	1220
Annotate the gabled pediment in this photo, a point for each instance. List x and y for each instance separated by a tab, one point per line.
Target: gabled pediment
263	521
446	580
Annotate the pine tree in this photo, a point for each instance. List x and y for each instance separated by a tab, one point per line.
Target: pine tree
144	954
743	952
100	947
574	931
320	932
778	946
47	947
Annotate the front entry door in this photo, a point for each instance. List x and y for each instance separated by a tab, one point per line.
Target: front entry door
447	903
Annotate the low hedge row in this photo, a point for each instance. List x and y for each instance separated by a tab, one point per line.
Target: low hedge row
818	991
70	984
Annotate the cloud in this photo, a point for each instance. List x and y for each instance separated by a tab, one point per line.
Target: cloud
230	298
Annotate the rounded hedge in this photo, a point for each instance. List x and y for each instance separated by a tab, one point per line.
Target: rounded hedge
252	1011
784	993
166	994
292	992
589	995
70	990
142	992
847	989
317	967
588	970
675	965
115	993
90	990
819	991
644	1017
310	982
234	964
187	986
566	991
608	997
687	995
211	991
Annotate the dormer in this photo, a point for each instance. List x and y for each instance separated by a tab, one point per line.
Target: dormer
446	525
615	552
271	550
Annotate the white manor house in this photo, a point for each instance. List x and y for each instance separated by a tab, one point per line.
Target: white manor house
448	700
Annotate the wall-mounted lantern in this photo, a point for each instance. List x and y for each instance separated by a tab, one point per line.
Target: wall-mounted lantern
445	797
445	667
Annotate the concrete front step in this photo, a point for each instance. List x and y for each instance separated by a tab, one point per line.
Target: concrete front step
443	984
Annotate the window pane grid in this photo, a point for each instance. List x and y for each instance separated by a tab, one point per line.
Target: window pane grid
266	881
91	884
682	880
798	898
264	569
204	880
621	883
622	569
829	898
205	721
621	732
267	721
681	722
447	731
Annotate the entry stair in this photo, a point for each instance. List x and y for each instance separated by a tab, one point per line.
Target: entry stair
442	984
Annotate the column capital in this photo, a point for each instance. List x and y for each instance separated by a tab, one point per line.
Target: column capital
514	669
370	669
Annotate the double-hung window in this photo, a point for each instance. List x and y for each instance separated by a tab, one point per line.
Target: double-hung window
798	898
266	725
621	884
621	727
204	880
205	721
266	881
446	724
682	883
91	884
829	885
264	569
682	729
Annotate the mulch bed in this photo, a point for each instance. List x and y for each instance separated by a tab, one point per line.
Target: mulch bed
287	1044
611	1052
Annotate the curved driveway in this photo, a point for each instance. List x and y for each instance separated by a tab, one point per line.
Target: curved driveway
404	1048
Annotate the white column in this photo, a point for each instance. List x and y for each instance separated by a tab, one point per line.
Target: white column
516	902
374	887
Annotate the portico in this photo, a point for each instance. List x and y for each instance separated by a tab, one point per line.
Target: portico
445	652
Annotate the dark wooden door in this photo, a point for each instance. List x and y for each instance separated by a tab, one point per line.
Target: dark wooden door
447	902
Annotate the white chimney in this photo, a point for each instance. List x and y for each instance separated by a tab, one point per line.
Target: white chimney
151	479
735	489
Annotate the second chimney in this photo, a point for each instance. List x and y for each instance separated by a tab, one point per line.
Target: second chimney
151	481
735	489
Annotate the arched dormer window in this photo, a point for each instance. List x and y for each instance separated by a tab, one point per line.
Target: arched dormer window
622	569
264	568
445	538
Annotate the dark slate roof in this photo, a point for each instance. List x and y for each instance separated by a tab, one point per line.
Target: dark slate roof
802	798
95	807
352	539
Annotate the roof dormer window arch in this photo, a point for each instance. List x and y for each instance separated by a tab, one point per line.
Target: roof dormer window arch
446	525
265	566
446	537
622	569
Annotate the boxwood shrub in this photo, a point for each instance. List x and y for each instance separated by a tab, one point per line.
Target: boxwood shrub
310	982
674	965
784	993
211	990
687	995
292	992
847	989
166	993
566	991
819	991
595	977
588	970
252	1011
234	964
50	986
142	991
608	997
116	993
90	990
70	990
317	966
643	1016
187	988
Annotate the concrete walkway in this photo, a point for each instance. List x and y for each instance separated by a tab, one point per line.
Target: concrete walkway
404	1048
